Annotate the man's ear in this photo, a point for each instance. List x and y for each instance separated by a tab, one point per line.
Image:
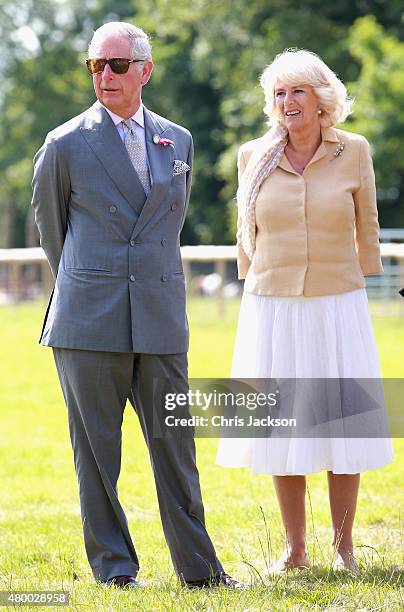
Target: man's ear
147	71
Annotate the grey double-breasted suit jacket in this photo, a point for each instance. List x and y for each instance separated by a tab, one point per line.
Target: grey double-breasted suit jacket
114	253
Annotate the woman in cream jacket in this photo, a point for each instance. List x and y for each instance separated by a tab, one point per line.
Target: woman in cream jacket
307	235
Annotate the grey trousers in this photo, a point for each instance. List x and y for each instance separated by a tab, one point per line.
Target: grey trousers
96	386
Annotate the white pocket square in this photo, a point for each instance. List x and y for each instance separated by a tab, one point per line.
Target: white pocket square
180	167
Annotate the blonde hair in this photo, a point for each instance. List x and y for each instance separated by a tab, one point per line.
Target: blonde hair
298	67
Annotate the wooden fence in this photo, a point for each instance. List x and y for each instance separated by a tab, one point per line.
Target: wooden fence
25	273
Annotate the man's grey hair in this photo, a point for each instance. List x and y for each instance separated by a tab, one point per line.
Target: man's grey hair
139	41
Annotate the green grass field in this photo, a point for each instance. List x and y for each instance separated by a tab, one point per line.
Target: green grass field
41	543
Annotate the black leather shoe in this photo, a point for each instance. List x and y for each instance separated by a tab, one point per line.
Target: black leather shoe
220	579
122	582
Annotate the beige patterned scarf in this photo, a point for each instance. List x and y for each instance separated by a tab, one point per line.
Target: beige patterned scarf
261	164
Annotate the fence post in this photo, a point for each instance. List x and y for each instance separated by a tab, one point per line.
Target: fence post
187	272
13	280
46	278
220	268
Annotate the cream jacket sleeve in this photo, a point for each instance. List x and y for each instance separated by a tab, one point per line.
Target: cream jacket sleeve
366	223
243	262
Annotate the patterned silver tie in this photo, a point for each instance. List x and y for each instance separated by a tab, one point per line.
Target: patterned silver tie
137	155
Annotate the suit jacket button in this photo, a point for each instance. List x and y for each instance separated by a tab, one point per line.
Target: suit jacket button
164	278
112	209
163	242
132	243
173	206
132	278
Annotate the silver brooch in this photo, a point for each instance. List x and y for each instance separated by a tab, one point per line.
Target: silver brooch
340	147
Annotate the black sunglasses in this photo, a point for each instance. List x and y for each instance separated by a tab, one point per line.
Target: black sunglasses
119	65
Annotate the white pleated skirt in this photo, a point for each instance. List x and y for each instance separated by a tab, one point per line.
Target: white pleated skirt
305	337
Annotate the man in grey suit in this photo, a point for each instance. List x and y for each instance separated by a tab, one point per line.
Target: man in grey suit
110	192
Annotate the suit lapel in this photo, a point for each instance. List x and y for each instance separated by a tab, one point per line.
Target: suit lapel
103	138
161	159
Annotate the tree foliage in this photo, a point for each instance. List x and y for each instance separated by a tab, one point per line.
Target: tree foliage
379	115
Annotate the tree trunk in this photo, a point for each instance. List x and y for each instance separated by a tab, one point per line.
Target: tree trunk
6	209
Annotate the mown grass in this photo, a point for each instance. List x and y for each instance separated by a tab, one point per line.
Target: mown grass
40	528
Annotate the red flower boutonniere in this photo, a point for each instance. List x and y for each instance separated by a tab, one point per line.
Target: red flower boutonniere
162	141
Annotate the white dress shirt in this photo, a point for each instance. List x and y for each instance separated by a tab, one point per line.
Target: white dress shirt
138	119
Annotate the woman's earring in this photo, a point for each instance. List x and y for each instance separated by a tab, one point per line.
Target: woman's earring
319	112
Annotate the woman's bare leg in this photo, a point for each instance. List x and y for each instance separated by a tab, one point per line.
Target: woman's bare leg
291	493
343	493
